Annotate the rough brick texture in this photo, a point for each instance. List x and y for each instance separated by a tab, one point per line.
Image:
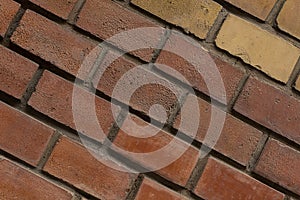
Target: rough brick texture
15	72
178	172
270	107
258	8
152	190
53	97
220	181
74	164
288	19
280	163
18	183
196	17
22	136
255	50
237	139
52	42
8	9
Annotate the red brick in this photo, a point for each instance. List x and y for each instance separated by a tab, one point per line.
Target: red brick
23	136
270	107
105	18
18	183
220	181
84	171
151	190
237	140
52	42
186	66
8	9
153	89
179	171
280	164
53	97
15	72
58	7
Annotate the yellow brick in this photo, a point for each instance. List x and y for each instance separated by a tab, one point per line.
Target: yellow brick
259	48
195	16
298	84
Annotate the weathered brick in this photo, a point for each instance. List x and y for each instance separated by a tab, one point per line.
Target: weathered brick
289	19
261	49
18	183
15	72
52	42
195	16
280	164
105	19
151	89
237	140
128	140
297	86
270	107
220	181
8	9
58	7
151	190
74	164
23	136
192	70
258	8
53	97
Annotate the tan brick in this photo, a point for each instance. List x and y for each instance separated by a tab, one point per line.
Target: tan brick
298	84
257	47
289	18
258	8
195	16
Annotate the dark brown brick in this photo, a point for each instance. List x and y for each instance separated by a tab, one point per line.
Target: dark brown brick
237	140
23	136
53	97
280	163
52	42
151	190
270	107
176	56
18	183
220	181
8	9
15	72
105	18
179	171
74	164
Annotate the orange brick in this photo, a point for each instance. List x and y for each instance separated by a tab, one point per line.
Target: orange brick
259	48
289	19
8	9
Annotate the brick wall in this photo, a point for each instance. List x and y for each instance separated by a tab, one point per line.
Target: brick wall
255	46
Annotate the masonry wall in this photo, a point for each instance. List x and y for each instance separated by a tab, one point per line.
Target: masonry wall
255	45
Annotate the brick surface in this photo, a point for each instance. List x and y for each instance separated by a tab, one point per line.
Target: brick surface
8	9
151	190
18	183
53	97
270	107
280	163
220	181
288	19
264	51
258	8
191	70
23	136
129	139
196	16
73	163
237	140
105	19
143	88
50	41
15	72
297	86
